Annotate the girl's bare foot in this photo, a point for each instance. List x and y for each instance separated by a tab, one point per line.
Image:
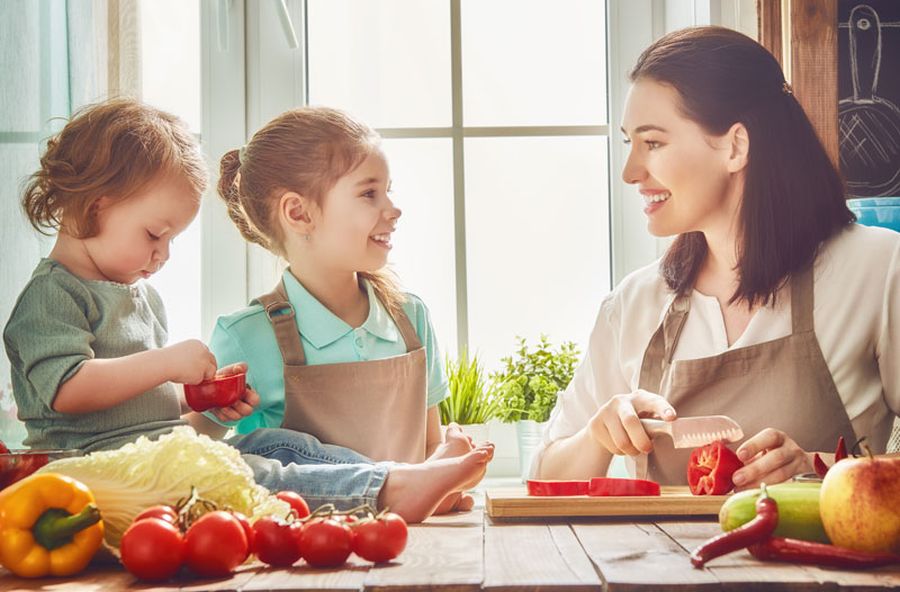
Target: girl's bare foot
455	502
456	443
416	491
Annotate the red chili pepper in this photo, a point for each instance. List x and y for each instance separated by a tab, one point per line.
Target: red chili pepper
810	553
755	531
710	469
819	465
608	486
545	487
841	451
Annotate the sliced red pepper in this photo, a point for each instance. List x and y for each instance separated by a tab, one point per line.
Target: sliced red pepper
609	486
811	553
710	469
819	465
545	487
840	452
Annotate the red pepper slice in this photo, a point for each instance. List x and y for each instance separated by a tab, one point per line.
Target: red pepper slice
220	391
710	469
608	486
545	487
811	553
840	452
819	465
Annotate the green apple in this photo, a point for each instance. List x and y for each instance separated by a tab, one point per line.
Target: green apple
860	503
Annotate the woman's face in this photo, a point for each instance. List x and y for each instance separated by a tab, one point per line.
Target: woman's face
681	172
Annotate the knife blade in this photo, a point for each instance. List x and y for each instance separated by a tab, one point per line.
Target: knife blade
691	432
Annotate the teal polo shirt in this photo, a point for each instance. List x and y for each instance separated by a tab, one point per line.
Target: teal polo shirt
247	336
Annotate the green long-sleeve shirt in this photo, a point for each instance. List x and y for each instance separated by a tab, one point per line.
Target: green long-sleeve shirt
59	322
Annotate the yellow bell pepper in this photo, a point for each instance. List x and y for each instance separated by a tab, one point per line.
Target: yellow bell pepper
49	525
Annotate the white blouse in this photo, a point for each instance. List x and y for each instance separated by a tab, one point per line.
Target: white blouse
857	323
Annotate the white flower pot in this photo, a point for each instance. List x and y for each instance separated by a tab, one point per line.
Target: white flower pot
529	434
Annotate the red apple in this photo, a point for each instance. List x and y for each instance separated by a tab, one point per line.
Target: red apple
860	503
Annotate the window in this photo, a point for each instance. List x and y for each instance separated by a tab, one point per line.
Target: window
494	119
170	77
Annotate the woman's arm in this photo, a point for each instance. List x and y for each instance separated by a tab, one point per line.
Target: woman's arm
576	457
433	433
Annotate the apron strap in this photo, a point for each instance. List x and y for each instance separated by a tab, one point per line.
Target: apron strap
661	349
281	315
802	301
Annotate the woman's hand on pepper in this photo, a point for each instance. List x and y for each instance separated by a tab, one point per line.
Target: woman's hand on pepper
617	426
243	406
771	456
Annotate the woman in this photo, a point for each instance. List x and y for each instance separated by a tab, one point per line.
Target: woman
770	306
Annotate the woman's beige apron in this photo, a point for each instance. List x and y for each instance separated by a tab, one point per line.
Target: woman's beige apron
376	407
783	384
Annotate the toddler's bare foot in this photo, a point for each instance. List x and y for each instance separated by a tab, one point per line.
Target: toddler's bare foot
416	491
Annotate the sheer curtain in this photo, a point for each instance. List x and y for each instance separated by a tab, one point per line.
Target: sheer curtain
55	56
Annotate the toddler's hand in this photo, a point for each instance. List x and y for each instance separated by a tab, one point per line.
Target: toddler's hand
243	406
189	362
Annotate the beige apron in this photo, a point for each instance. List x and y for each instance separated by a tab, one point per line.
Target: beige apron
783	384
376	407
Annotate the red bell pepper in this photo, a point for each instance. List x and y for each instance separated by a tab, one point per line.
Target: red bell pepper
710	469
608	486
221	391
545	488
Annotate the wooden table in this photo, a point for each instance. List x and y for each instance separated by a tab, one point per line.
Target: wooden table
471	552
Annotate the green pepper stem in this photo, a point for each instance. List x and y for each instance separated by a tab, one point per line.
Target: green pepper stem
56	527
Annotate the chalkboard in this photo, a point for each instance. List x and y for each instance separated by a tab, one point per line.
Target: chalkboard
869	92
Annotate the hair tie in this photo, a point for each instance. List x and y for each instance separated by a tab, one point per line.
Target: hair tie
786	88
242	153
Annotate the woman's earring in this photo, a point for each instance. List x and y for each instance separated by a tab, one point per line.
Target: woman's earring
307	237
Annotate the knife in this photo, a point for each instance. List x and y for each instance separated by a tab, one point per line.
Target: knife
691	432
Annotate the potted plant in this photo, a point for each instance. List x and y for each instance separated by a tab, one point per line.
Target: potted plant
527	387
471	403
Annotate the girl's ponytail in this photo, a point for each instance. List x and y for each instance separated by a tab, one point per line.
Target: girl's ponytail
385	286
230	192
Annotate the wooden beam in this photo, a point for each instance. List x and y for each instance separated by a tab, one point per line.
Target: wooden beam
814	62
768	14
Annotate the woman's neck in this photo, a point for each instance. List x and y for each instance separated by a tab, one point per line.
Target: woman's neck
340	293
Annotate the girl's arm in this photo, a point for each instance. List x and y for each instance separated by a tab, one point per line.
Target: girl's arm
204	425
104	383
433	434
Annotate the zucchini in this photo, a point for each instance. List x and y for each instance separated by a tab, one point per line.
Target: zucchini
798	510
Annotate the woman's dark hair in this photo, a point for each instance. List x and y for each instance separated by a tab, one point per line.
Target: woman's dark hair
793	197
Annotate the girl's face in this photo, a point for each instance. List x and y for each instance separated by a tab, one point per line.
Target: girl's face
352	230
134	234
680	170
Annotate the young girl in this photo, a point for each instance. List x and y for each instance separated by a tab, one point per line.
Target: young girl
770	306
86	338
336	350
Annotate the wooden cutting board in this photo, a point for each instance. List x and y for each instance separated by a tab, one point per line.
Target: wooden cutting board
514	502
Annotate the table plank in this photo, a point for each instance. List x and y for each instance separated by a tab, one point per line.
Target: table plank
639	556
535	556
444	553
741	568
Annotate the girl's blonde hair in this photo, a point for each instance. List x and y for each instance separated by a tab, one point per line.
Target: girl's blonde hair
305	150
111	149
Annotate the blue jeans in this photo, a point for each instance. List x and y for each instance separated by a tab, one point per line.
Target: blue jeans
322	473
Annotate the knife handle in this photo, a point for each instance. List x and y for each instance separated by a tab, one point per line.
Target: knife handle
655	427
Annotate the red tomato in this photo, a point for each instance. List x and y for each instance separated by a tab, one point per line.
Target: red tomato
277	542
710	469
326	543
165	513
215	544
248	531
298	504
380	540
152	549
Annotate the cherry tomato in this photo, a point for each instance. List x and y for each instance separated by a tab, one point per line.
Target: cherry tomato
152	549
298	504
326	543
248	532
380	540
165	513
277	542
215	544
